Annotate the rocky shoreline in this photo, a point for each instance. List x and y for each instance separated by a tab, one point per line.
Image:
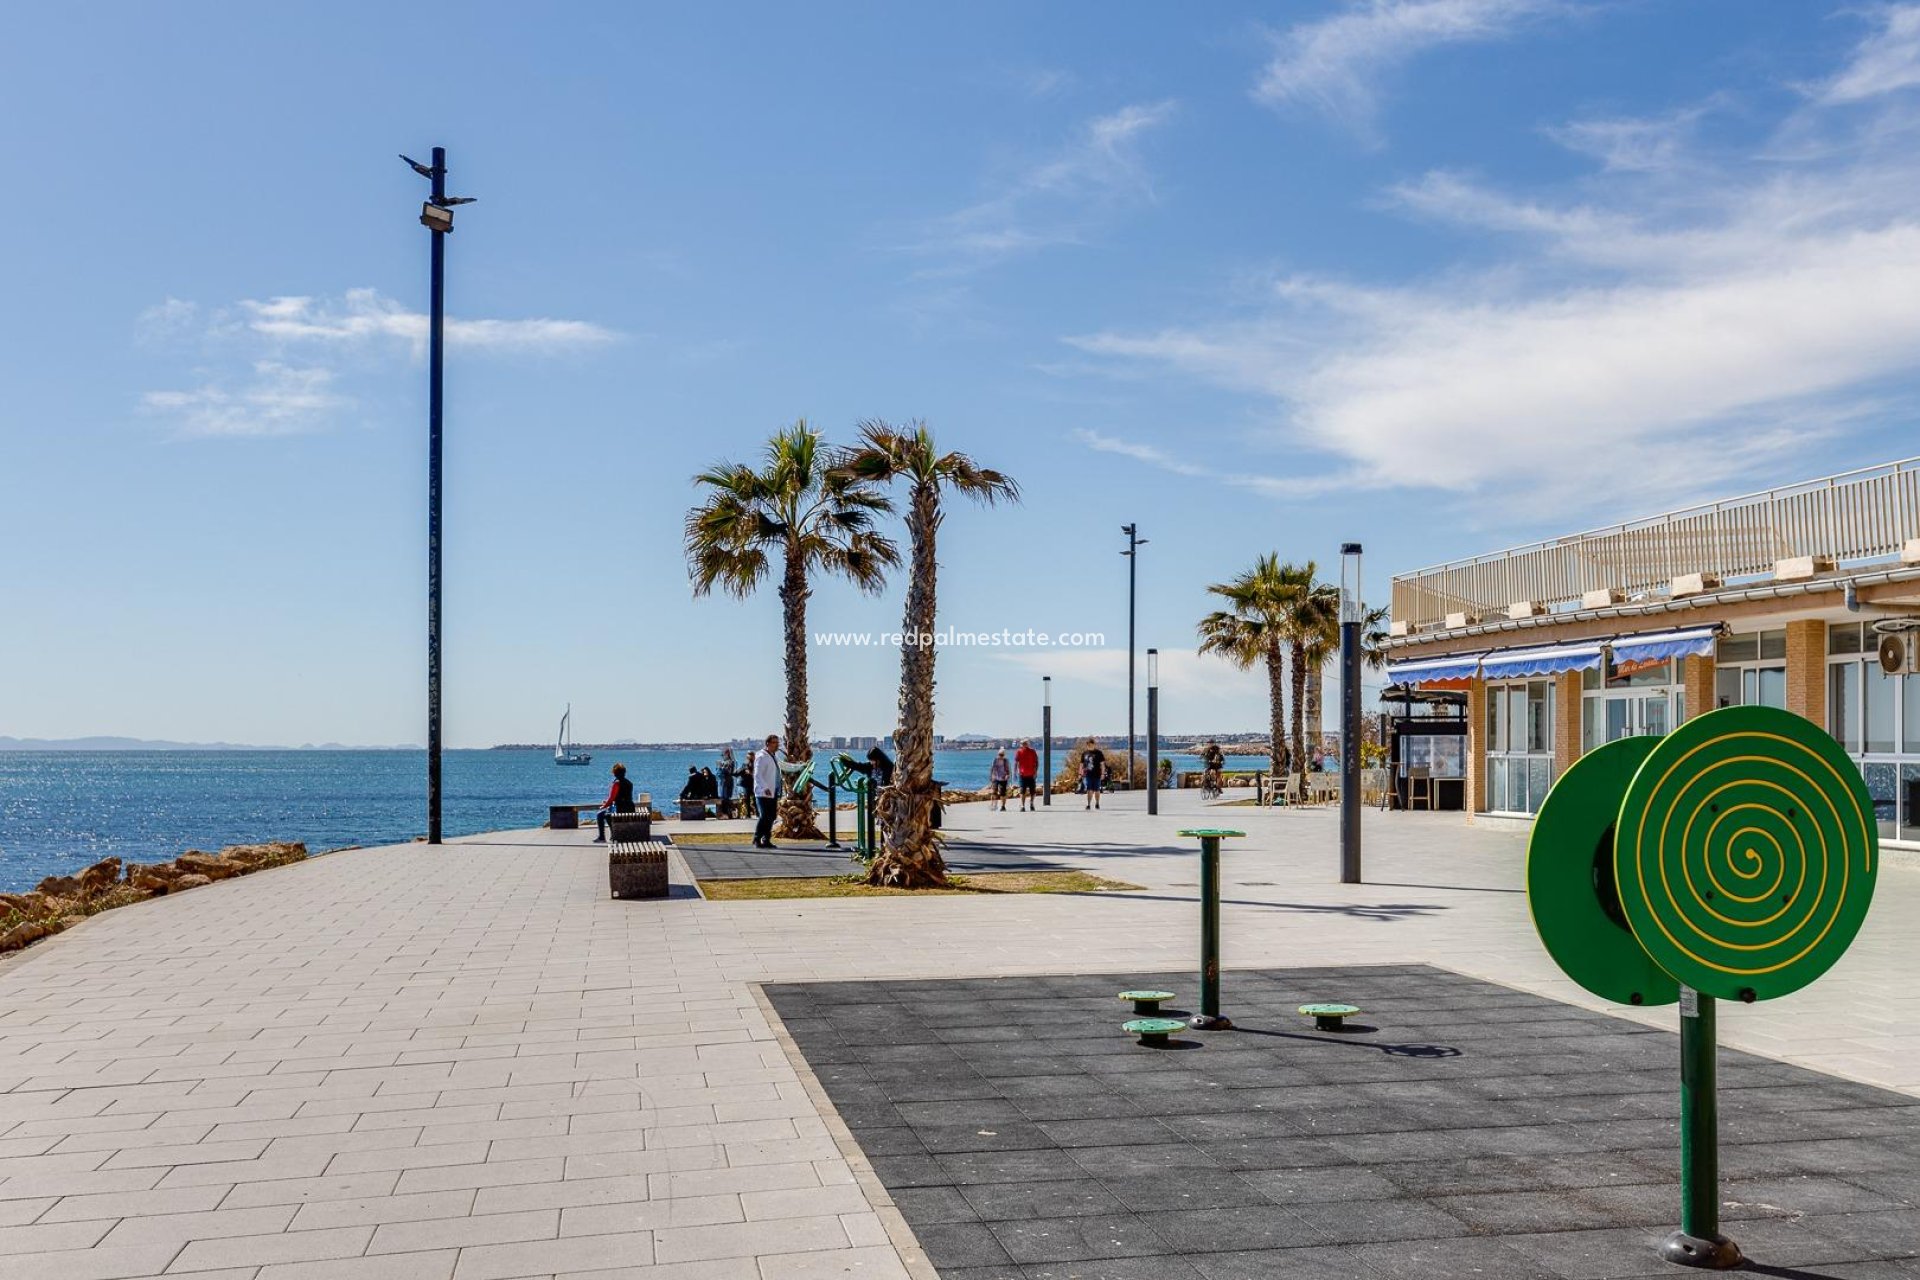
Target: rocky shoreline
60	902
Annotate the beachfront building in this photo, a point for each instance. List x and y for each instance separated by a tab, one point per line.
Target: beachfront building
1805	597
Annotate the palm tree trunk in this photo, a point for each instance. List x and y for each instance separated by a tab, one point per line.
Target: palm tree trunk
1276	715
1316	693
910	855
796	812
1299	656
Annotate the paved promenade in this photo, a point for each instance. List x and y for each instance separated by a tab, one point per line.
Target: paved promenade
471	1063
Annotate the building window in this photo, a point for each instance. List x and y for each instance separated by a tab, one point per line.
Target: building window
1519	745
1629	703
1875	717
1751	670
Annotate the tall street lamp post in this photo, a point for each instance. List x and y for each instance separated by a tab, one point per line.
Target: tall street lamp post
1134	543
436	215
1153	731
1046	740
1352	611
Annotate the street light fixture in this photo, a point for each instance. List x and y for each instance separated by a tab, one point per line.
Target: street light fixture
1153	731
1353	611
1134	543
437	216
1046	741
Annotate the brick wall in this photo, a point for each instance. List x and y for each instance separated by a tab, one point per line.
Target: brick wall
1566	721
1696	677
1477	747
1807	669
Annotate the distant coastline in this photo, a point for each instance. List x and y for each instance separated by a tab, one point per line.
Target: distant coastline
161	744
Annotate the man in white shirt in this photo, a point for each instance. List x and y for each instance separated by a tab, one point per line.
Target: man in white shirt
766	790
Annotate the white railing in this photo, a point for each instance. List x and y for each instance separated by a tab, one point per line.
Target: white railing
1855	517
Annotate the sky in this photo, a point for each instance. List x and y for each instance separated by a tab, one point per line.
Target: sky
1438	276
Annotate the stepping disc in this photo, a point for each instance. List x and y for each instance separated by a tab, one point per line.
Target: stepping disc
1747	852
1571	887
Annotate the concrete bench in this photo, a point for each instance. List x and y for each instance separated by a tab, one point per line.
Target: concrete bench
637	869
566	817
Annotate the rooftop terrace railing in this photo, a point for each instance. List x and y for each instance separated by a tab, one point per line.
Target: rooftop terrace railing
1855	517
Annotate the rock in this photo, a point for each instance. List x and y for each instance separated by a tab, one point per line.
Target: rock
273	853
59	887
26	904
100	877
21	934
190	882
206	864
155	877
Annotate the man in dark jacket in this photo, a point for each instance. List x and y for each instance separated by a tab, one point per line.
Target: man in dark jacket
619	800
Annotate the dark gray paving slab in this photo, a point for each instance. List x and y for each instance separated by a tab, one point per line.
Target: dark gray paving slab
1472	1130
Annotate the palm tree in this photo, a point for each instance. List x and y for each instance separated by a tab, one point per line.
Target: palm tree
1252	630
817	517
910	857
1313	635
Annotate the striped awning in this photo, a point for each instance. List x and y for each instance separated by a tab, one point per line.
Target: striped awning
1546	660
1454	668
1659	646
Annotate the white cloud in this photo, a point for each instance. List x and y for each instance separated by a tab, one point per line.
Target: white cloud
364	314
1273	486
165	320
1051	202
277	360
276	400
1335	64
1682	336
1884	62
1635	144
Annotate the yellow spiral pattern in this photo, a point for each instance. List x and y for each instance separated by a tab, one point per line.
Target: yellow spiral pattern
1745	853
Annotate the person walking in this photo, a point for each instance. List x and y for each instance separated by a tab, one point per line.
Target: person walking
999	773
766	790
724	775
1093	771
619	800
1026	763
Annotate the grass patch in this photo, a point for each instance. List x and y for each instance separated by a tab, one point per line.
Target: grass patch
708	837
987	882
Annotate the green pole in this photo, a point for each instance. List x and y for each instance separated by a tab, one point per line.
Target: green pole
1210	1018
1699	1243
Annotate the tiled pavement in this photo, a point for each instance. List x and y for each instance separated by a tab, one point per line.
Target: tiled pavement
472	1063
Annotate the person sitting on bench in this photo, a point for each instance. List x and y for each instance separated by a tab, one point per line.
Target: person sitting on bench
619	800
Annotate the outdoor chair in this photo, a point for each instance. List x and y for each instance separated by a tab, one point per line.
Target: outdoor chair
1419	786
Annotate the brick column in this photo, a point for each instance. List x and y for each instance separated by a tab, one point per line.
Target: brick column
1807	669
1477	747
1696	677
1566	721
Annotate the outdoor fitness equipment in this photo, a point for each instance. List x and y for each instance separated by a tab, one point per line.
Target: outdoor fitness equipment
1732	859
1209	1017
857	777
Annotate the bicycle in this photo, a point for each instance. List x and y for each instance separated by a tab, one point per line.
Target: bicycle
1210	785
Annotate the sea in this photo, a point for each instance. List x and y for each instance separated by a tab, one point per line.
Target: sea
62	810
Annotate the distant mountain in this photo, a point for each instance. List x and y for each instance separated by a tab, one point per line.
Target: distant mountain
156	744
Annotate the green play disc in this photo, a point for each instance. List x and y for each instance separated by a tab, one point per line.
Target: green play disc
1746	852
1571	890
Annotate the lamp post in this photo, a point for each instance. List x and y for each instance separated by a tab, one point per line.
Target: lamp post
1352	611
1046	741
436	215
1153	731
1134	543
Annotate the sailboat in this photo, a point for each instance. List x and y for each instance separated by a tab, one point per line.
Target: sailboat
563	752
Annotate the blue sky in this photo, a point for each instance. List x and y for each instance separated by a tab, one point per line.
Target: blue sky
1438	275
